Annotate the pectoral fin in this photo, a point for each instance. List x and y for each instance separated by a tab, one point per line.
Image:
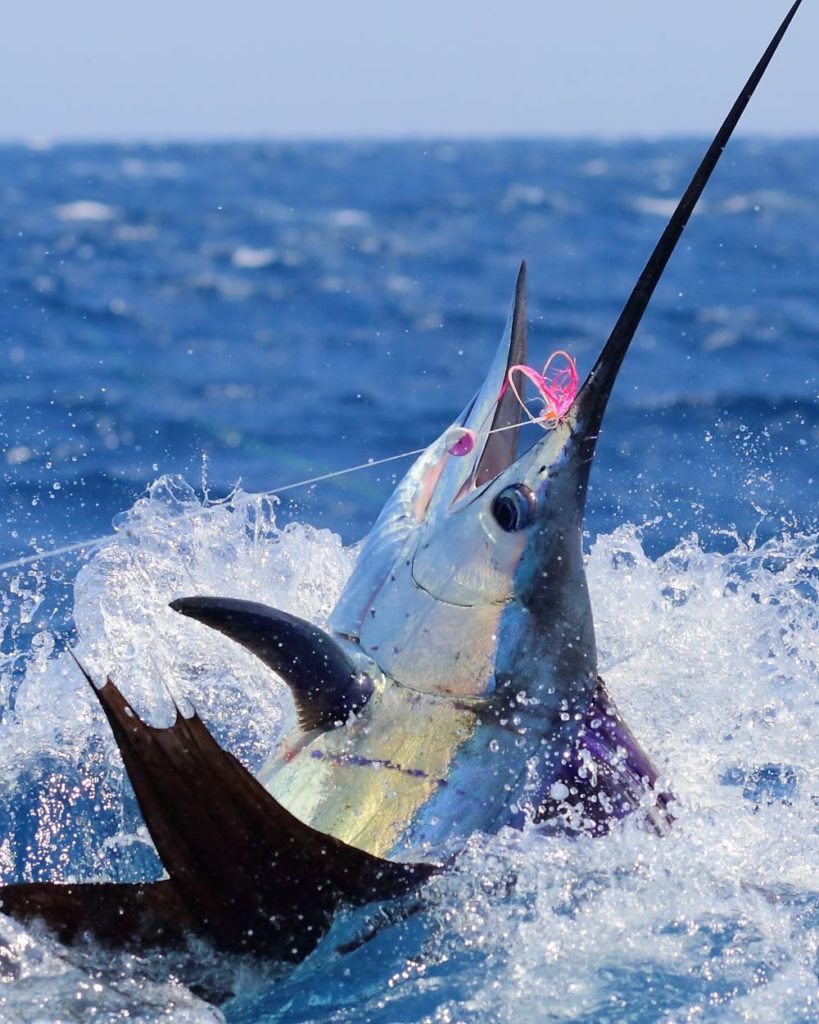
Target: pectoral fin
325	685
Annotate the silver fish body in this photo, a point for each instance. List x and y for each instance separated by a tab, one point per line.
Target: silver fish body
477	634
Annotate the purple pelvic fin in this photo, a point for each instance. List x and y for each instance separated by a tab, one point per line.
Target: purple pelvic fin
604	777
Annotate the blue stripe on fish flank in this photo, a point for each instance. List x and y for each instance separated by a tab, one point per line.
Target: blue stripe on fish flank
356	761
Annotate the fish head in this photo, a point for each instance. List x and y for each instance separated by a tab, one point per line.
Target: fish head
476	551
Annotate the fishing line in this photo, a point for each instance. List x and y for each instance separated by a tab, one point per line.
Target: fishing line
54	552
556	389
96	541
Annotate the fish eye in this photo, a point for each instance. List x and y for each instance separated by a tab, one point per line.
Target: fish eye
514	508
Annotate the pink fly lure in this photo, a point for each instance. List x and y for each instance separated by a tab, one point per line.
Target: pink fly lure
556	387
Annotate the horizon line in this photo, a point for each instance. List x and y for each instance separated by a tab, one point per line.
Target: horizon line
44	142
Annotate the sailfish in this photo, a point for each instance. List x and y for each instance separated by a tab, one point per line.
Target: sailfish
455	689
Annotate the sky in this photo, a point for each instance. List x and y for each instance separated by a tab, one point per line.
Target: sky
232	69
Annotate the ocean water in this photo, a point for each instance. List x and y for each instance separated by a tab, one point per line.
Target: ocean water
188	328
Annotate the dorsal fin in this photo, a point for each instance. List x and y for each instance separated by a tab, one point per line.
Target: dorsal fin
326	687
250	874
123	915
244	873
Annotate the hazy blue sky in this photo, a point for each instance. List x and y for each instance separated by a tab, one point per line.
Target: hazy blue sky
305	68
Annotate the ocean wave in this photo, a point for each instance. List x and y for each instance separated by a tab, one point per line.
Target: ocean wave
711	657
136	345
86	210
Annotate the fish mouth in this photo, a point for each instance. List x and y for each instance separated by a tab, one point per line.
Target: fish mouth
500	448
483	441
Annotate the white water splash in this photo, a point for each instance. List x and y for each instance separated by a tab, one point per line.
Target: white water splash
712	659
39	984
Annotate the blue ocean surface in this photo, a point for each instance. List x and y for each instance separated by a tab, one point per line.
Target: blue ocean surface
189	328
